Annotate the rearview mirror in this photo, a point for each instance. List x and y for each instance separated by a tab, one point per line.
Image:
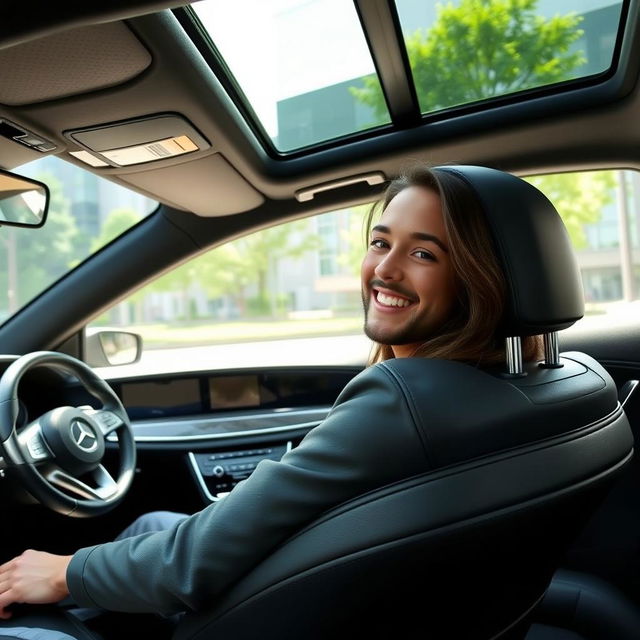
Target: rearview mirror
23	202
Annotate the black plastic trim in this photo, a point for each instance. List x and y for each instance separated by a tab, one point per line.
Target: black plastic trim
381	27
190	22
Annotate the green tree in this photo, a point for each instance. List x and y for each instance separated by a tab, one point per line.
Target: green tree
115	224
182	278
223	272
229	270
484	48
354	239
256	256
32	259
579	198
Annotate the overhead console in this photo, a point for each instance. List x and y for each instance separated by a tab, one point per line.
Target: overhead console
137	141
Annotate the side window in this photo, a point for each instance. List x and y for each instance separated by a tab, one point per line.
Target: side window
601	210
290	295
287	295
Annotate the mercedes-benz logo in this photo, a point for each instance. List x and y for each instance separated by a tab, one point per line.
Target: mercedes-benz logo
83	436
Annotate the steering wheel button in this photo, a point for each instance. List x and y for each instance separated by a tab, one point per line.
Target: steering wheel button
107	419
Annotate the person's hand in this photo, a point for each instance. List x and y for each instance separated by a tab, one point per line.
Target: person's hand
34	577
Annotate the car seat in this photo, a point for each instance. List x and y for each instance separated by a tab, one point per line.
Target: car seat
524	453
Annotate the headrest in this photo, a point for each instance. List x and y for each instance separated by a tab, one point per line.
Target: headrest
544	289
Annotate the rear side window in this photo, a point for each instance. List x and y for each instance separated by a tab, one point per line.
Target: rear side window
601	210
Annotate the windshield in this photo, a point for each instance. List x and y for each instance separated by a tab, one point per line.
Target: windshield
86	212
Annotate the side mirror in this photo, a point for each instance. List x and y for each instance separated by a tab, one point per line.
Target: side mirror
106	348
23	202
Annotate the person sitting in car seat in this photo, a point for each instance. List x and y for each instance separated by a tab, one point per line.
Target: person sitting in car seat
432	287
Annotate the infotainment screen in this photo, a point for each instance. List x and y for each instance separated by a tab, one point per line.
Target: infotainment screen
231	392
162	398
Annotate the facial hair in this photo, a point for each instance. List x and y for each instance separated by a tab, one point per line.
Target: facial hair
409	333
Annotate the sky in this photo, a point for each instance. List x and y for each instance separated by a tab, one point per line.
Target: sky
300	58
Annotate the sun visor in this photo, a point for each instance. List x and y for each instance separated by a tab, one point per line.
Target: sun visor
136	142
208	186
70	63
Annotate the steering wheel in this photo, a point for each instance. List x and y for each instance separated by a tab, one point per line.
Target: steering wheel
58	456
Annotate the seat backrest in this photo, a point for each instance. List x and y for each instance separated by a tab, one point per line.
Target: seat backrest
466	549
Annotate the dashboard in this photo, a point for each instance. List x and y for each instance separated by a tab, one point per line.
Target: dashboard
221	423
230	421
231	392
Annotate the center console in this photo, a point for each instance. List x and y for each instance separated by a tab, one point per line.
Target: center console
218	472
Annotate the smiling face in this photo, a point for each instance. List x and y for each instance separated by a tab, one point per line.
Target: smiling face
408	285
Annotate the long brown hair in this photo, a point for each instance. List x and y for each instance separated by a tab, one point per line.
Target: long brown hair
472	332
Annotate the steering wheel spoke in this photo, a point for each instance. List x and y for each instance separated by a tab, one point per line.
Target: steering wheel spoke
104	484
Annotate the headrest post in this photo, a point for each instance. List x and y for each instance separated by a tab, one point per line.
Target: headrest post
551	351
514	356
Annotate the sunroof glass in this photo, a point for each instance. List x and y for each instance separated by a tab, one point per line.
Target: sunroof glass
303	65
463	51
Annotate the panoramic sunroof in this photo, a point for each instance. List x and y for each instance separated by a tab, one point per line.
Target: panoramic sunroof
300	64
302	73
464	51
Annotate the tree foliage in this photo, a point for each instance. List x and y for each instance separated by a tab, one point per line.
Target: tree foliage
233	268
579	198
484	48
32	259
479	49
354	239
115	224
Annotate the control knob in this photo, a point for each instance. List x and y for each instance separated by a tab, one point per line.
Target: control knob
218	471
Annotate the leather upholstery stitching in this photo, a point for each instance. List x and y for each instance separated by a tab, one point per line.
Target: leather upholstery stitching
411	405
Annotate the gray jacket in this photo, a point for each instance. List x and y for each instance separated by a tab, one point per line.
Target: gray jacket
371	437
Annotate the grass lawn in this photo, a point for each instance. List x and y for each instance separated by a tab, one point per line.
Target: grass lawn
200	332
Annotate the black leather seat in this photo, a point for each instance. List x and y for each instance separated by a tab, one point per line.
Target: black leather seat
466	550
